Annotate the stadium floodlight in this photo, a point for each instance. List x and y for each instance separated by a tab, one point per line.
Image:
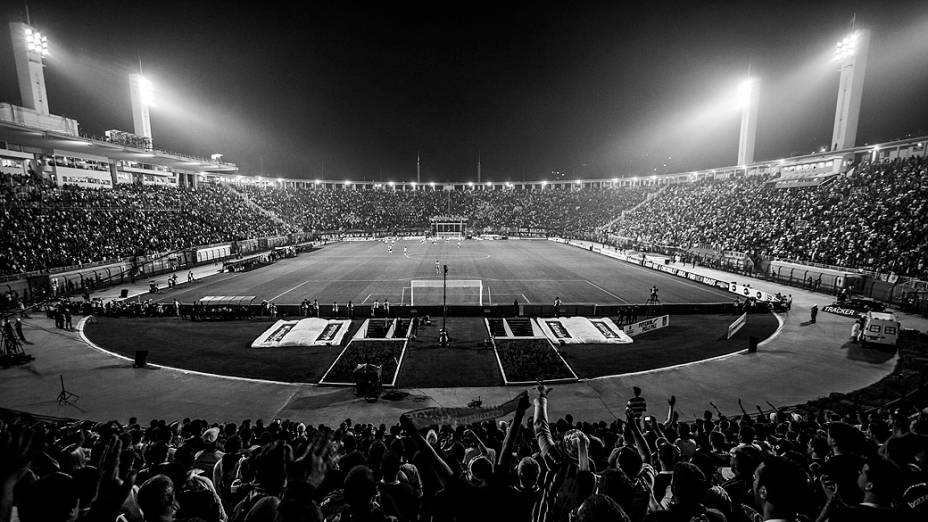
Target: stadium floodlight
390	183
470	183
578	182
413	183
745	91
35	42
489	184
615	180
347	182
431	183
847	46
146	91
317	182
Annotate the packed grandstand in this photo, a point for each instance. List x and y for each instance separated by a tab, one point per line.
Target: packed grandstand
871	218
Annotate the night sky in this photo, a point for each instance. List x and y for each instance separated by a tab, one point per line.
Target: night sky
592	91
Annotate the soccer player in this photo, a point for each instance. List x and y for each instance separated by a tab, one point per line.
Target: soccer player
390	249
404	251
437	267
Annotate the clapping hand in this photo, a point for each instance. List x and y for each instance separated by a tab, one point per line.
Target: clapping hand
115	481
316	460
543	390
16	448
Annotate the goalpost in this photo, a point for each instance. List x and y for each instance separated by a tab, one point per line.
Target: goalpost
425	292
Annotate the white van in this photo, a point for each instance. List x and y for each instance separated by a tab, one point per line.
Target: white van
880	328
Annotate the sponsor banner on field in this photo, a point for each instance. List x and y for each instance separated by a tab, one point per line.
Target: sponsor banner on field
737	325
840	310
311	331
648	325
428	417
747	291
582	330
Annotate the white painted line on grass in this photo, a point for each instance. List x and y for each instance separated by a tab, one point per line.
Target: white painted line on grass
526	299
288	291
601	289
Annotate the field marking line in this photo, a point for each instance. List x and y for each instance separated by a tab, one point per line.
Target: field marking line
489	295
526	299
601	289
366	298
288	291
403	297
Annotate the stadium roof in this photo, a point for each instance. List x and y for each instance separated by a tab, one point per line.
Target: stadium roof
52	142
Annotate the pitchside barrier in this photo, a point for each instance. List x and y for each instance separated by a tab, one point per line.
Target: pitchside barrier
435	311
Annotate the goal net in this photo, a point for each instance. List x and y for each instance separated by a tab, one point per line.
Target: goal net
426	292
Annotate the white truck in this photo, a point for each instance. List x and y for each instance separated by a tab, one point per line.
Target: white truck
880	328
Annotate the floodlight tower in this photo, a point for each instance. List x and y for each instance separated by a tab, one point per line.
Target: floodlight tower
140	96
851	55
30	47
748	101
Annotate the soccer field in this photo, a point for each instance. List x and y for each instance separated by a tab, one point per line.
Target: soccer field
527	271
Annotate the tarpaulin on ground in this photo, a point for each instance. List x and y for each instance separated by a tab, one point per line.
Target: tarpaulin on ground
583	330
426	417
304	332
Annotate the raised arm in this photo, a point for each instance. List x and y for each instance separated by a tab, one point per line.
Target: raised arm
671	402
644	451
542	430
438	464
505	460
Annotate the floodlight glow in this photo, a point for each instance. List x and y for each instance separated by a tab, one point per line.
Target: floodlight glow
745	90
578	182
347	182
146	91
847	46
35	42
431	183
615	180
317	182
470	183
390	183
413	183
544	183
489	184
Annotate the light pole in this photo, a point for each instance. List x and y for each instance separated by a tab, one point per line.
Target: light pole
748	101
851	55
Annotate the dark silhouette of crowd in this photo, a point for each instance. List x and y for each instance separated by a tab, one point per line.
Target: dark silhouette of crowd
773	465
873	218
552	210
55	227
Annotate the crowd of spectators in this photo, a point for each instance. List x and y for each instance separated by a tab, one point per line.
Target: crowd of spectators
772	465
556	211
69	226
873	218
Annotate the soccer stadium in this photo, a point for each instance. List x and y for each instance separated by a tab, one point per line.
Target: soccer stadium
342	316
